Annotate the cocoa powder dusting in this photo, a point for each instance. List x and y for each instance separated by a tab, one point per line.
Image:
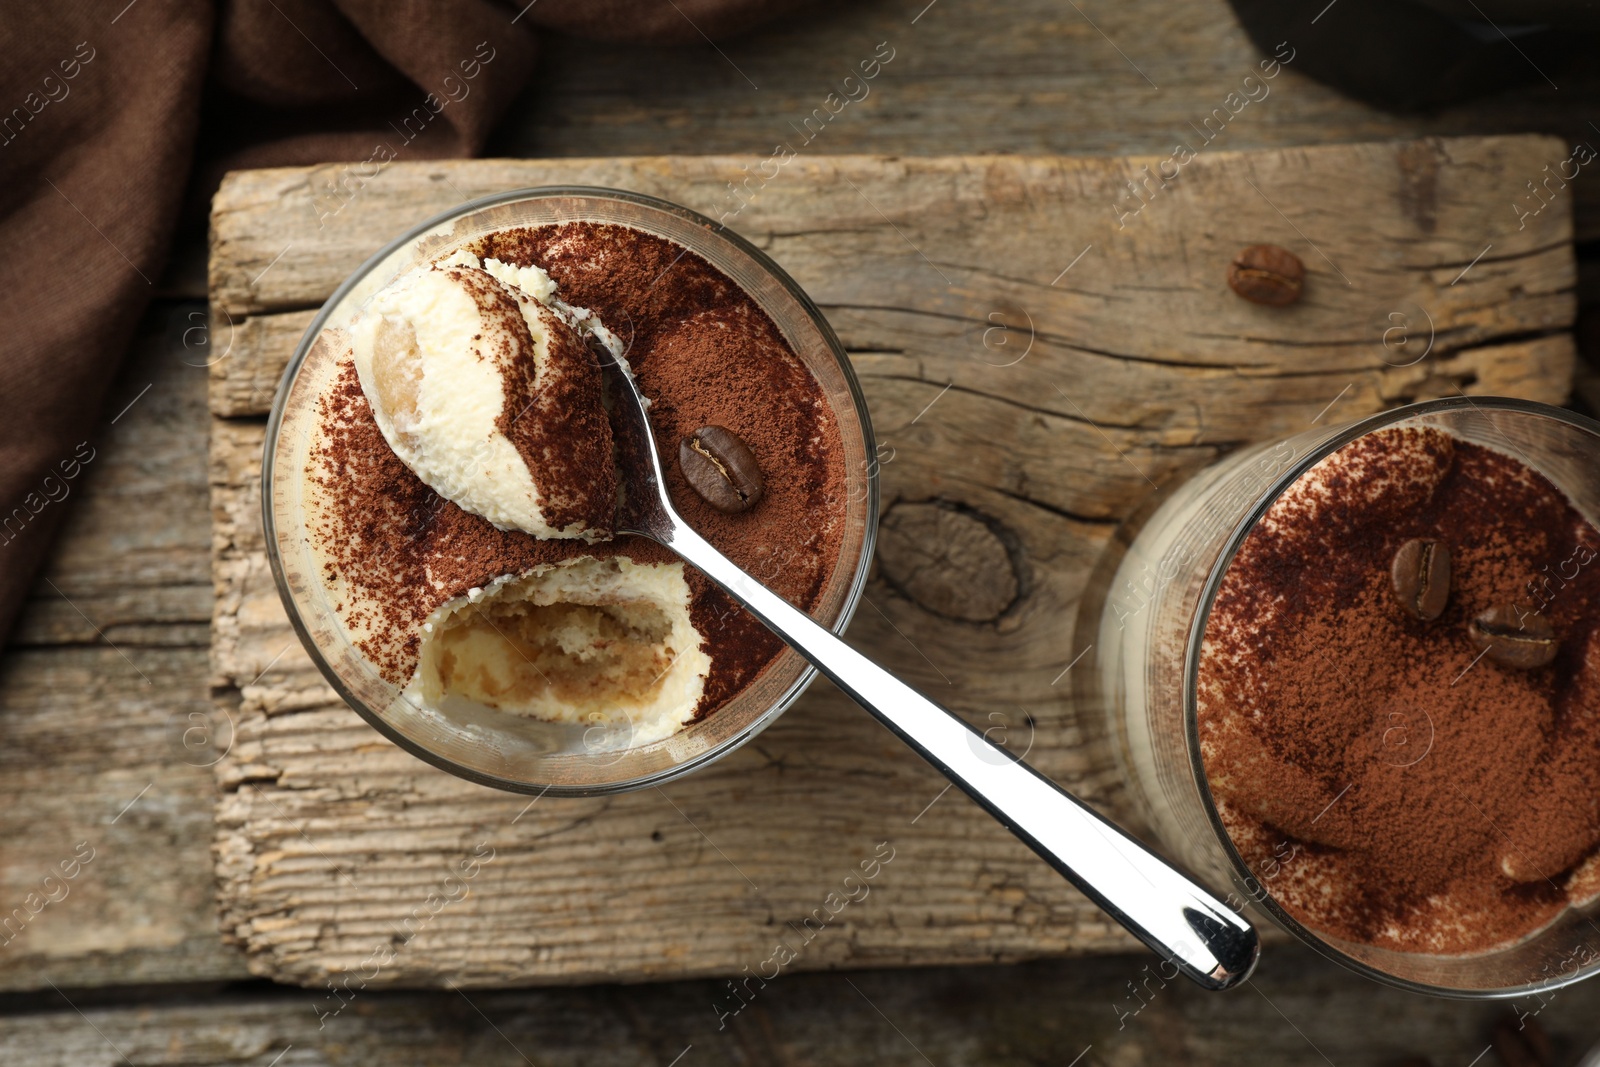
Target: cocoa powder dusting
1386	783
552	414
705	354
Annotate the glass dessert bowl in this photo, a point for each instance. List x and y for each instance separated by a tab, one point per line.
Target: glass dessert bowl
560	660
1355	675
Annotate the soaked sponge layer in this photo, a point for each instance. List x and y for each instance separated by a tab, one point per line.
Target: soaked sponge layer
588	641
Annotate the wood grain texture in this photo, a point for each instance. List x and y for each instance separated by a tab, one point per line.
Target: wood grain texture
1030	365
1039	81
244	384
1301	1012
105	727
950	561
1103	79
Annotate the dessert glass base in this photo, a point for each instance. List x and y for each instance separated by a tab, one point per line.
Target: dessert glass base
1147	615
499	748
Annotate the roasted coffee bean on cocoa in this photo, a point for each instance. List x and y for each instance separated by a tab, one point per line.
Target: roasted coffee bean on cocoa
720	467
1514	638
1267	274
1420	578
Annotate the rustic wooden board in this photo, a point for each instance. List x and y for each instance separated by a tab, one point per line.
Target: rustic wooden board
1034	369
99	692
1298	1012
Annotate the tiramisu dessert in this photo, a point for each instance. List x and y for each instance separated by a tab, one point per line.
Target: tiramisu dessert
1399	697
462	482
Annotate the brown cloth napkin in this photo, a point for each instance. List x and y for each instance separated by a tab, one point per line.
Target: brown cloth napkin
104	109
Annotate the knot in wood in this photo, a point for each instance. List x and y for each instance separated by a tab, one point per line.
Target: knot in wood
950	560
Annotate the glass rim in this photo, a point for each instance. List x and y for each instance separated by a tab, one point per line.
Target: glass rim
857	581
1241	871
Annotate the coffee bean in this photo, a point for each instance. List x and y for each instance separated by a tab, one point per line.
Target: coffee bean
1512	640
1420	578
721	468
1267	274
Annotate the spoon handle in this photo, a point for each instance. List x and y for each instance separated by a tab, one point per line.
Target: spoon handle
1163	908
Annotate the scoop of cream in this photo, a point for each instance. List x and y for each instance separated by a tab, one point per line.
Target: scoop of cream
484	384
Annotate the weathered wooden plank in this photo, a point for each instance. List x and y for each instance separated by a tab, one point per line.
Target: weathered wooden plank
1139	349
1428	202
105	732
1042	400
93	762
1040	80
132	557
1299	1011
247	384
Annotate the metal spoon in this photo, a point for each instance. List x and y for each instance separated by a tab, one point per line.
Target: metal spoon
1176	918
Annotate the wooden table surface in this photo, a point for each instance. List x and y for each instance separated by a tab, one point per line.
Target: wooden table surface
106	682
